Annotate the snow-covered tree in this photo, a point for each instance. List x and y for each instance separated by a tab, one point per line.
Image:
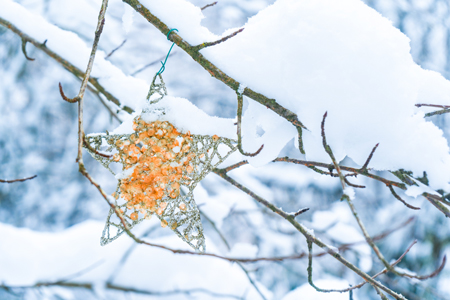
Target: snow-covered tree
289	155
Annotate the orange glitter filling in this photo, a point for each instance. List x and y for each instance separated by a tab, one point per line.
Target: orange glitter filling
157	169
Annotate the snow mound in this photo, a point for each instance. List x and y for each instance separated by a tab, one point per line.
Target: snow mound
345	58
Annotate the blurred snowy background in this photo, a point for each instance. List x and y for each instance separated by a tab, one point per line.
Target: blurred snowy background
50	226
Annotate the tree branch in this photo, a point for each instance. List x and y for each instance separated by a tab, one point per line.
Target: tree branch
208	5
17	180
209	44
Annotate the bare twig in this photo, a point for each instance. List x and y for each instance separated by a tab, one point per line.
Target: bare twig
115	49
153	63
24	49
235	166
251	281
209	44
65	98
87	145
222	237
98	32
303	210
352	184
400	199
99	97
433	105
366	164
81	272
445	109
17	180
208	5
239	134
438	112
437	202
309	269
80	96
330	153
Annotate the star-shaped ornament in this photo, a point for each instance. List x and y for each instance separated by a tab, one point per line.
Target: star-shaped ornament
161	166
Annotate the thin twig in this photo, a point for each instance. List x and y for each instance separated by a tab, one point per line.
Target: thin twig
81	272
433	105
251	281
80	96
115	49
400	199
65	98
235	166
208	5
436	201
366	164
87	145
98	32
352	184
99	97
209	44
330	153
438	112
24	49
152	63
303	210
213	224
17	180
239	134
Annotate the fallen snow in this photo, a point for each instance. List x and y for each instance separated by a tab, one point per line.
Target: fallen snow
56	256
307	292
345	58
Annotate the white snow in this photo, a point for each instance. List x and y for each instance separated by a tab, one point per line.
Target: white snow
184	16
185	116
350	192
346	234
125	173
127	18
243	250
345	58
307	292
58	255
419	189
309	230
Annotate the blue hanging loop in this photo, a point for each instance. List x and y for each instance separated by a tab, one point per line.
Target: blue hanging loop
163	67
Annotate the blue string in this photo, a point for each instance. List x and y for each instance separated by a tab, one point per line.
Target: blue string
163	67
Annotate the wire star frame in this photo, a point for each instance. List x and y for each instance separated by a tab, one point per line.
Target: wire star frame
161	167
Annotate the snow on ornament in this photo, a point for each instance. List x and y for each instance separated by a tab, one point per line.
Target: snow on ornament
161	165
